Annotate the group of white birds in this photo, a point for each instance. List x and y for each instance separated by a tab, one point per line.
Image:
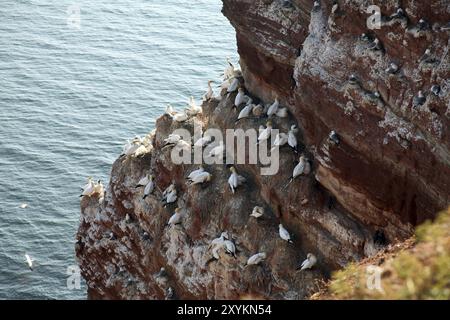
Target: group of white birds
91	188
141	146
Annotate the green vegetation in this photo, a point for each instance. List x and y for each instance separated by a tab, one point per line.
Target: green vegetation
416	269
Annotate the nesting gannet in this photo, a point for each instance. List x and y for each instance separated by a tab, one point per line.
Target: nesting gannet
436	89
169	110
203	141
302	168
375	45
29	261
150	186
308	263
170	194
143	181
245	112
233	86
210	93
218	150
265	134
235	179
175	218
282	113
172	139
241	98
220	240
180	117
284	234
257	212
127	218
334	137
99	188
258	110
230	247
392	69
195	173
280	140
229	70
292	137
273	108
201	178
419	100
256	258
140	151
89	188
193	109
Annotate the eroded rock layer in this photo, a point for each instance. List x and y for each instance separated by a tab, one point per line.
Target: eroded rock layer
389	172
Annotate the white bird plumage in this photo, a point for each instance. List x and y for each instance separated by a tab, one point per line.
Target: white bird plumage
29	261
292	137
273	108
235	179
308	263
195	173
233	85
257	212
280	140
203	141
265	133
193	109
256	258
175	218
149	187
217	150
245	112
201	178
284	234
241	98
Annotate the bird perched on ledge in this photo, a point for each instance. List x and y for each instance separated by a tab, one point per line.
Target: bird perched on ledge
257	212
235	180
284	234
256	258
310	261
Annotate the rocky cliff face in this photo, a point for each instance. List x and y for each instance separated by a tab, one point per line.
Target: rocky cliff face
389	171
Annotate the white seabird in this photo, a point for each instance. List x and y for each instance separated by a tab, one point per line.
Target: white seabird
245	112
265	134
170	194
256	258
180	117
143	181
284	234
240	98
150	186
280	140
210	93
203	141
257	212
23	206
235	180
169	110
233	86
201	178
308	263
29	261
230	248
195	173
89	188
175	218
292	137
193	109
273	108
99	188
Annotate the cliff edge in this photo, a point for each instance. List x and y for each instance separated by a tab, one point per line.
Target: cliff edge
384	92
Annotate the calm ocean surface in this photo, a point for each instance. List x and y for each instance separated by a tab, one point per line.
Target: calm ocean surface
70	97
